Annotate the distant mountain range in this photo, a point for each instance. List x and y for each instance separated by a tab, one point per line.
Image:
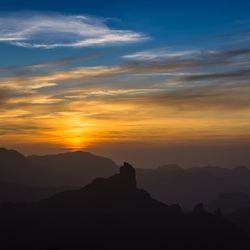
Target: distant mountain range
174	184
11	192
68	169
113	213
229	202
170	184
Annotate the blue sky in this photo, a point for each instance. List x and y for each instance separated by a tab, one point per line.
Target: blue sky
176	24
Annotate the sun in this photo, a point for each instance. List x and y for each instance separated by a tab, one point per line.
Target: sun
77	133
76	143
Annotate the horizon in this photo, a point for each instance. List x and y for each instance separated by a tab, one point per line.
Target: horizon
148	83
122	161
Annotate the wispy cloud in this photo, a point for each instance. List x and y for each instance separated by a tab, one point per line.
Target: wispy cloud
52	65
1	96
179	72
52	30
157	95
198	56
241	74
160	54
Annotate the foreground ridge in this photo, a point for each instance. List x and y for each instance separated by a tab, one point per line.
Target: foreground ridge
113	213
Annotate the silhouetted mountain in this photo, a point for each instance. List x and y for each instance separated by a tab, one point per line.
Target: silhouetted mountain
74	168
168	183
11	192
229	202
15	167
114	214
174	184
68	169
118	192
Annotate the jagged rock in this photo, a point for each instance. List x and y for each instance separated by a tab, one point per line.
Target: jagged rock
128	176
118	192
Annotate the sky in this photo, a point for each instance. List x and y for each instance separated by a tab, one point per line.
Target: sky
149	82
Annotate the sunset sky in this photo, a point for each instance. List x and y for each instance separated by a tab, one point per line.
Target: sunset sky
150	82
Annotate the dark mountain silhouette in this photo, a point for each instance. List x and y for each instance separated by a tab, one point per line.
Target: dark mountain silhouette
11	192
15	167
190	186
229	202
169	183
68	169
74	168
111	214
117	192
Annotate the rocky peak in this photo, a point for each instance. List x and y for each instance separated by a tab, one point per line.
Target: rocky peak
127	176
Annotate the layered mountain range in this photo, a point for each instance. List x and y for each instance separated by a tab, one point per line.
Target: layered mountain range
41	176
113	213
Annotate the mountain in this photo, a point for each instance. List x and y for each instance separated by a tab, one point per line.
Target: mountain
113	213
11	192
73	168
16	168
118	192
68	169
174	184
168	183
229	202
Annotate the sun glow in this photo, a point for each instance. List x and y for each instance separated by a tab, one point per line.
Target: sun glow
76	139
75	132
85	124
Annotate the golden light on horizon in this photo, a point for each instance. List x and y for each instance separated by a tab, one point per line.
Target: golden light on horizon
85	124
76	134
73	116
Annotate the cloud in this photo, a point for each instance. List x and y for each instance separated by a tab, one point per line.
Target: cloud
159	54
238	74
178	68
52	30
234	98
29	69
188	57
177	80
2	96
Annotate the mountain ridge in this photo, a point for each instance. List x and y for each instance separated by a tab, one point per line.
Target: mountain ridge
113	213
169	183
